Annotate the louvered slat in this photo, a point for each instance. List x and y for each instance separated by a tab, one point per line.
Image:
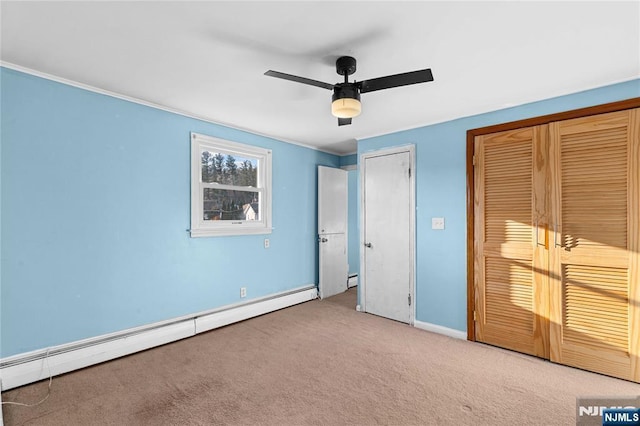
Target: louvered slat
596	302
507	183
594	189
509	294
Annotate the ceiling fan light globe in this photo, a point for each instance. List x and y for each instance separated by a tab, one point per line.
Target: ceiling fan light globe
346	108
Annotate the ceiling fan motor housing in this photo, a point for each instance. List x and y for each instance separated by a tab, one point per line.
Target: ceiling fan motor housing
346	65
345	90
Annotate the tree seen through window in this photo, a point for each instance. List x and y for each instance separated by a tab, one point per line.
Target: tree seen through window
224	203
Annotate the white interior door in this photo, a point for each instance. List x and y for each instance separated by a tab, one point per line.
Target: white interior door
388	223
332	231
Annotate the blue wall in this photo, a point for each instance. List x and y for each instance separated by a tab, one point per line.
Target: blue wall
95	207
441	281
348	160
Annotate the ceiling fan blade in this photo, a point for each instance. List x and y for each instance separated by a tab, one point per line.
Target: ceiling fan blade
344	121
396	80
297	79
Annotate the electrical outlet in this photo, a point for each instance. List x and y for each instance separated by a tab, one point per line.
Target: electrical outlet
437	223
266	243
243	292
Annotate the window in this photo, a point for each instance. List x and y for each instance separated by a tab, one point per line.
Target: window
230	188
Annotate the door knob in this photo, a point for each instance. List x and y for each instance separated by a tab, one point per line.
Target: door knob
323	240
368	245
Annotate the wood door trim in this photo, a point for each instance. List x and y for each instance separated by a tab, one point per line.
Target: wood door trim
529	122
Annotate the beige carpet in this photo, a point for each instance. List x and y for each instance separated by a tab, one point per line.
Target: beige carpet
318	363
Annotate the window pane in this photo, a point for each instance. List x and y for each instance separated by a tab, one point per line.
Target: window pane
218	167
226	204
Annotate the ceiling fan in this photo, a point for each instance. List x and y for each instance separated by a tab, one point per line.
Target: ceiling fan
346	96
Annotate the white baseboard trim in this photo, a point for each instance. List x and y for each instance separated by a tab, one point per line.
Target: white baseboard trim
22	369
457	334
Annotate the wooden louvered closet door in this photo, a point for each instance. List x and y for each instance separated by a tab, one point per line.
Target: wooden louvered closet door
557	242
594	252
510	221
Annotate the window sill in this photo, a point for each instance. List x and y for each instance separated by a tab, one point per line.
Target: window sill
227	232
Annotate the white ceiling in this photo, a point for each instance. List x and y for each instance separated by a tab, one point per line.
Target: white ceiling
207	59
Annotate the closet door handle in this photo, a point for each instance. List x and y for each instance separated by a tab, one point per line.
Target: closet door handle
537	239
555	236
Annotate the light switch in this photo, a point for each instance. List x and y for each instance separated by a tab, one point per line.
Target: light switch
437	223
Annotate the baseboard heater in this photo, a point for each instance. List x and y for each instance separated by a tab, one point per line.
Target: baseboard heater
352	280
22	369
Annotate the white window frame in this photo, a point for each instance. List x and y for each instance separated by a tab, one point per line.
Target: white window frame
213	228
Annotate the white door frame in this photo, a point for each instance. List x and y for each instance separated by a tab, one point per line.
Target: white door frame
362	281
